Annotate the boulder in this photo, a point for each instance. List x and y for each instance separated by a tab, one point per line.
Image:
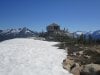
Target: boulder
90	69
76	69
67	64
71	66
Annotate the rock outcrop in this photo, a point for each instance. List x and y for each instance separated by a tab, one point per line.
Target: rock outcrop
85	61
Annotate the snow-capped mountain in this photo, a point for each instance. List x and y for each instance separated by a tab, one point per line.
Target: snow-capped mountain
89	33
78	33
96	34
13	33
16	31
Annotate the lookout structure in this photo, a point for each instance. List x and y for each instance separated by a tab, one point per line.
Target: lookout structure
53	28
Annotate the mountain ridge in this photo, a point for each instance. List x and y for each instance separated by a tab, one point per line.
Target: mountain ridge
16	33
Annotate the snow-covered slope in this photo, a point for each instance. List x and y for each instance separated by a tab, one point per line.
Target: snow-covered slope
30	57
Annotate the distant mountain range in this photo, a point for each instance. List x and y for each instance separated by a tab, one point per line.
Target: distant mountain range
94	35
25	32
16	33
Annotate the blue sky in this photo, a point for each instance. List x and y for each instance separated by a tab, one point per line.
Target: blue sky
76	15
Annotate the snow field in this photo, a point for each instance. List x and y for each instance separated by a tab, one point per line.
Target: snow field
31	57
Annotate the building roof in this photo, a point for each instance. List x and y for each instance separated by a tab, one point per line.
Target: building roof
53	24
